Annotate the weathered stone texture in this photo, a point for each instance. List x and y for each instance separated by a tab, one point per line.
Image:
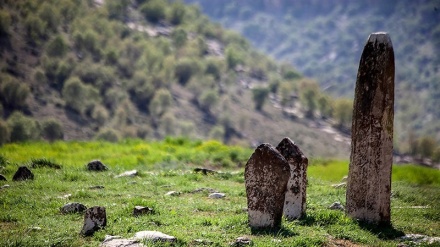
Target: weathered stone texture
95	218
266	175
369	180
23	173
295	200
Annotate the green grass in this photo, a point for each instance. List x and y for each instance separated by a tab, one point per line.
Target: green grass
167	165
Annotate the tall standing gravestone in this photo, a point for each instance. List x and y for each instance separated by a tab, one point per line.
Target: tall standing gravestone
369	178
295	200
266	175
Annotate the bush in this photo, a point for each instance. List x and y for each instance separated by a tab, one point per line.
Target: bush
13	93
78	96
343	112
109	135
234	56
5	22
57	47
167	125
153	10
35	30
161	101
217	133
184	70
214	67
100	115
179	37
117	9
4	132
259	95
208	99
177	13
22	128
51	130
50	15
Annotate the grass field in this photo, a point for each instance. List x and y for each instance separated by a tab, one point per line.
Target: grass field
30	216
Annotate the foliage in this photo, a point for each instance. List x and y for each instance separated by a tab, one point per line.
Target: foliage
57	47
259	95
5	22
51	129
153	10
343	112
184	70
109	135
79	96
4	132
22	128
161	101
208	99
13	92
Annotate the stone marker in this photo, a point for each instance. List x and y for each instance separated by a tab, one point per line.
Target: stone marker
295	200
73	207
266	175
95	218
23	173
369	177
96	165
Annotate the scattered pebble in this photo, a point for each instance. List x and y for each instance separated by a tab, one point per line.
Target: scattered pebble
337	206
216	195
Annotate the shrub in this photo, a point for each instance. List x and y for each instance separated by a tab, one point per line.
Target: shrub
117	9
51	129
179	37
109	135
167	124
13	93
234	56
153	10
57	47
217	133
184	70
177	13
78	96
35	30
5	22
343	112
259	95
214	67
100	115
161	101
208	99
50	15
4	132
22	128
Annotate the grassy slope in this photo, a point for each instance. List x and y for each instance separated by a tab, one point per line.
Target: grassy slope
166	166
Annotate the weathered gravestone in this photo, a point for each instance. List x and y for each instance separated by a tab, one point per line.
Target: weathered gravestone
295	199
369	178
95	218
266	175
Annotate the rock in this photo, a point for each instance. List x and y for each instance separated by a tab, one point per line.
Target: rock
139	210
95	218
266	175
369	176
96	165
204	189
172	193
344	179
419	239
295	199
23	173
337	206
204	171
117	241
5	186
96	187
154	236
73	207
340	185
131	173
3	178
242	241
216	195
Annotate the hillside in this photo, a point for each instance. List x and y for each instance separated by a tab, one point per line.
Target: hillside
82	69
324	41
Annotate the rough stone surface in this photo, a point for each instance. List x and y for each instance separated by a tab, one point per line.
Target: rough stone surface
74	207
242	241
266	175
154	236
131	173
3	178
117	241
140	210
295	200
23	173
216	195
96	165
369	178
337	206
95	218
419	239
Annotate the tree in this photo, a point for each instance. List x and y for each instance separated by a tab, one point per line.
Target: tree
51	129
161	101
4	132
259	95
426	146
22	128
13	92
343	112
153	10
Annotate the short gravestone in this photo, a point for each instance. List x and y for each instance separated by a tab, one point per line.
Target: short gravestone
73	207
369	178
295	200
23	173
95	218
96	165
266	175
3	178
140	210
